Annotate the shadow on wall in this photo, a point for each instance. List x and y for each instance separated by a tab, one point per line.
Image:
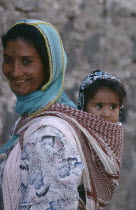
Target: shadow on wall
9	120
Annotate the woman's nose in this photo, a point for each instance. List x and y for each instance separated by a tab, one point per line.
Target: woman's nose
16	70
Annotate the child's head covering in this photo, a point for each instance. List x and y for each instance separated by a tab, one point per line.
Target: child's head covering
89	80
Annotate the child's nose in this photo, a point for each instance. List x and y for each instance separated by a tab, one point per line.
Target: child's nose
106	112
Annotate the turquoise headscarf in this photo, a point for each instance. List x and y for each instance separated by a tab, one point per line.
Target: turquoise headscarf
52	92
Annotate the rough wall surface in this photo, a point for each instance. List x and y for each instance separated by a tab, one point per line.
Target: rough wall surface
96	34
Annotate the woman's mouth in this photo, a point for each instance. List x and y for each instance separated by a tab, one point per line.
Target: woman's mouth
21	80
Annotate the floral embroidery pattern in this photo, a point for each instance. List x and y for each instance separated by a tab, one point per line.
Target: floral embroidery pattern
51	171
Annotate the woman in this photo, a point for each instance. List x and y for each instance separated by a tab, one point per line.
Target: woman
57	156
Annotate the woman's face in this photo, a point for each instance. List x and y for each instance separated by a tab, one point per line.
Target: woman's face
22	66
105	104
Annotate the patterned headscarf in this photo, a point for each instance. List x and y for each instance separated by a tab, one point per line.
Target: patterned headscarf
89	80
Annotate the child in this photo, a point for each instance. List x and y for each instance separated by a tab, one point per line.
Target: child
103	95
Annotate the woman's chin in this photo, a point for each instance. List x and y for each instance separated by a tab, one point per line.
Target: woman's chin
19	92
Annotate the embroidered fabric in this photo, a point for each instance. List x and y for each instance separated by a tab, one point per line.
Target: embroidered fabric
45	185
50	167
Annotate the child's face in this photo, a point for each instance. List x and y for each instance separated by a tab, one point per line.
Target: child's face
105	104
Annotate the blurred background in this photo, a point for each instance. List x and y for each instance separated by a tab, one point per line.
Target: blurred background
97	34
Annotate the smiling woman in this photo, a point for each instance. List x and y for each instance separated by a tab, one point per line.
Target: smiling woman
22	66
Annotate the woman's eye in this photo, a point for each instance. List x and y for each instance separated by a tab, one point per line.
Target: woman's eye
27	61
8	60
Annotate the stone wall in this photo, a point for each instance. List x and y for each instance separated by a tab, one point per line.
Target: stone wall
96	34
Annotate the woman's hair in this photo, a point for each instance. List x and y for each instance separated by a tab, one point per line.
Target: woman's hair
94	82
30	34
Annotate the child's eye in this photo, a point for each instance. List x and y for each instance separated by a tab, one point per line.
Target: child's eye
113	106
98	106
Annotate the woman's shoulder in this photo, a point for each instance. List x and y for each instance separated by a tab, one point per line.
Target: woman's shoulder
52	121
50	125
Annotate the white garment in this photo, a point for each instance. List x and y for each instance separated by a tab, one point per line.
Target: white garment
51	168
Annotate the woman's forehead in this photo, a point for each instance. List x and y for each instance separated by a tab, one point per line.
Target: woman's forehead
19	46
